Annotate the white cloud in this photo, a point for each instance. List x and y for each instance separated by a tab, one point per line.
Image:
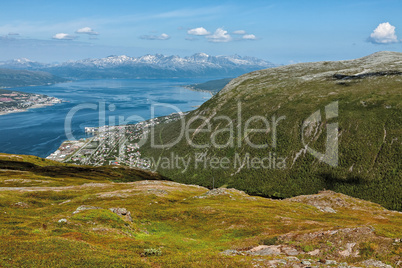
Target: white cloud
12	33
155	37
220	36
249	37
198	31
383	34
86	30
63	36
240	32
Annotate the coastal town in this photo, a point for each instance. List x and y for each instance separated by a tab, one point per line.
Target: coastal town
111	145
15	101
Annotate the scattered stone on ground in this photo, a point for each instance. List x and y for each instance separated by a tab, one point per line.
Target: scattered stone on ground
21	205
375	263
17	180
328	201
65	202
345	241
122	212
349	251
230	192
231	252
292	258
62	221
314	252
275	263
85	207
326	209
282	261
336	238
156	191
290	251
263	250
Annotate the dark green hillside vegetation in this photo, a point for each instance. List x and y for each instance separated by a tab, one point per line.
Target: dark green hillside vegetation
213	86
20	78
24	170
368	92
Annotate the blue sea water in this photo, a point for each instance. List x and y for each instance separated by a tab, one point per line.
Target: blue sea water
41	131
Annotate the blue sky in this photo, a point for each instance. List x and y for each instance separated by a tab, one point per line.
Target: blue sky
278	31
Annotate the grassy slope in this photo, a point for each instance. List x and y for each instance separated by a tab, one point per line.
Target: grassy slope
370	123
20	78
170	220
38	171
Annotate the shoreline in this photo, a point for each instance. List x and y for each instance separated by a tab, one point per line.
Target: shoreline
35	106
51	103
70	150
199	90
68	141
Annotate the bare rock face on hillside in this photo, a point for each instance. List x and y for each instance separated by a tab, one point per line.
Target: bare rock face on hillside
374	263
329	201
221	191
231	193
264	250
326	247
341	244
85	207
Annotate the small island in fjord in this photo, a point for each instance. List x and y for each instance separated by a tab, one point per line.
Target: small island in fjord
12	101
15	101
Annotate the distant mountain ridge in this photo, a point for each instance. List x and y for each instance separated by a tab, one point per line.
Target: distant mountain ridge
10	78
147	66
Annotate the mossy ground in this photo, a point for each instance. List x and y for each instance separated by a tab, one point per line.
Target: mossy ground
172	226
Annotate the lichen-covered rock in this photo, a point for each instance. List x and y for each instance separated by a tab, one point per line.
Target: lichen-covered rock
230	252
122	212
85	207
375	263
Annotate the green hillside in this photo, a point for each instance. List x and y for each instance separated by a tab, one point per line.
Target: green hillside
20	78
60	215
34	170
363	97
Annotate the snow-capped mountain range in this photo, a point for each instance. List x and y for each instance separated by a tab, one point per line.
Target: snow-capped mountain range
148	66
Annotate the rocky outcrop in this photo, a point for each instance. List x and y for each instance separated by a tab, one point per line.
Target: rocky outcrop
122	212
85	207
